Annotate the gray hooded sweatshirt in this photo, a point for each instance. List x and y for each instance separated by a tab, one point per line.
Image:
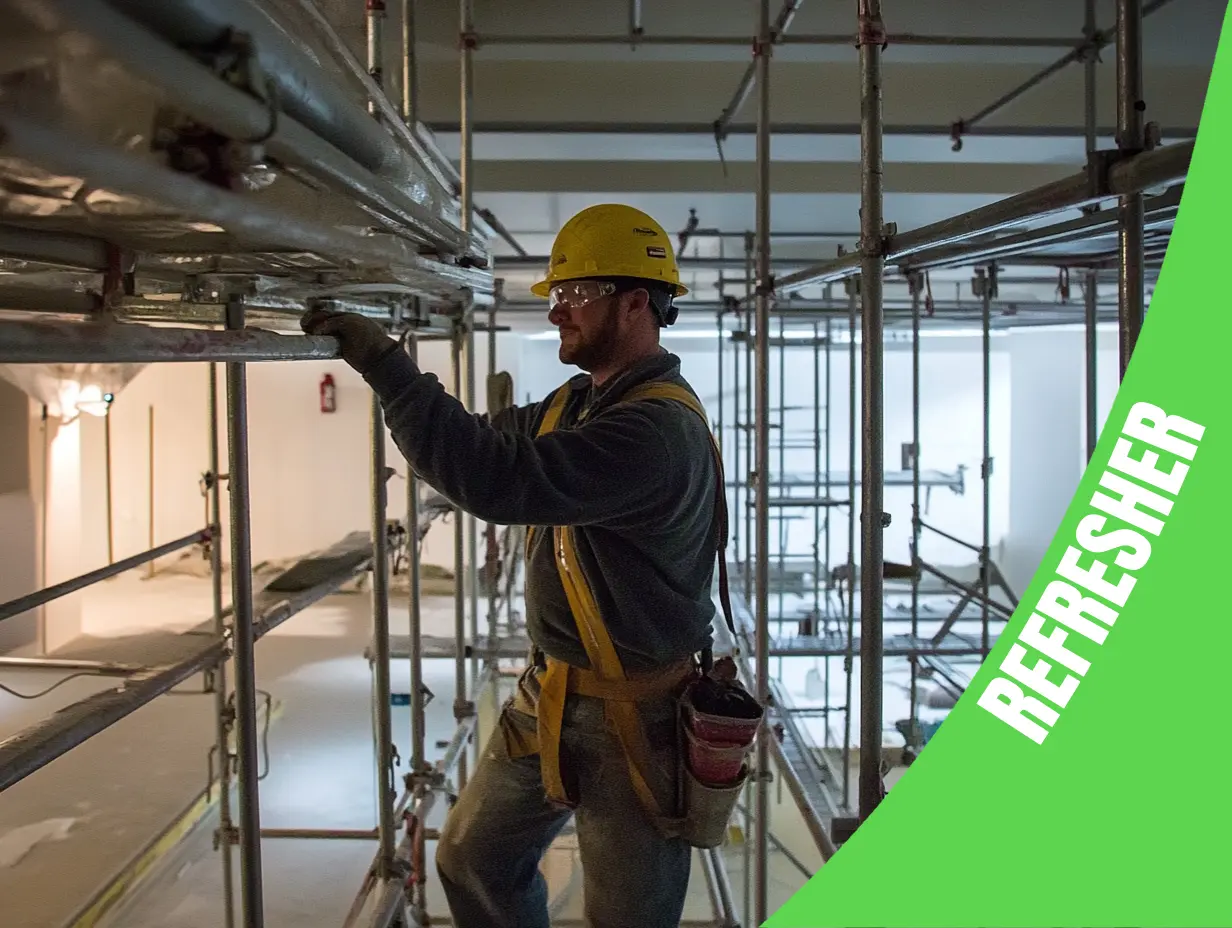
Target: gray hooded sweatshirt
637	482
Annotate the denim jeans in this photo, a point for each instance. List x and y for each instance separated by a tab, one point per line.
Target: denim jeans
495	836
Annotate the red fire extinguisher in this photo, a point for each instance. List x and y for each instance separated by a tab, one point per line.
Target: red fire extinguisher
329	394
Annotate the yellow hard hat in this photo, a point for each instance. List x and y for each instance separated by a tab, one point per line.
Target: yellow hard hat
611	240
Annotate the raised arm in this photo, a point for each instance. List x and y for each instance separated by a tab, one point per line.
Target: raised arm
611	470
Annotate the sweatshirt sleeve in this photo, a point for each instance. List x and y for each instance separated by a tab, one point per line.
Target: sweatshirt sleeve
611	470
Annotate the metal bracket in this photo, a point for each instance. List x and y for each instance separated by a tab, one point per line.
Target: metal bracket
956	135
885	519
463	709
1098	163
984	283
230	834
871	29
915	282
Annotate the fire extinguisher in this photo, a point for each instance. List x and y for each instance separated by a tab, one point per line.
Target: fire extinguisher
329	394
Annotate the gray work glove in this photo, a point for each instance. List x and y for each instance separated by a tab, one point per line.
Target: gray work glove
363	342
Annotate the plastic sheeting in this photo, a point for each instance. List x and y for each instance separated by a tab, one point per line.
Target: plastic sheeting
69	389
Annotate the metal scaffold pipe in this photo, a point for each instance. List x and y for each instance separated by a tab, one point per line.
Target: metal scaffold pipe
410	74
1158	167
414	610
382	721
752	73
15	607
472	542
739	41
916	287
222	717
1131	138
872	265
415	636
989	289
244	637
381	647
750	311
765	290
459	571
467	41
1090	291
124	343
849	657
466	578
1093	41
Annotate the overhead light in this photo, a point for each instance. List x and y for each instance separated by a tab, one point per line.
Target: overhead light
89	398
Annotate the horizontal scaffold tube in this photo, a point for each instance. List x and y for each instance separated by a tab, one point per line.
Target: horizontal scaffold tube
196	90
41	743
742	41
305	91
35	747
249	224
124	343
1160	167
40	597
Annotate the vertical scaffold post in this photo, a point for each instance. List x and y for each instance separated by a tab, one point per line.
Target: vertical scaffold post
750	311
243	639
1131	137
765	288
375	23
460	703
829	492
872	237
498	296
853	296
916	283
464	337
415	636
987	284
1090	292
737	498
410	73
381	647
221	709
466	10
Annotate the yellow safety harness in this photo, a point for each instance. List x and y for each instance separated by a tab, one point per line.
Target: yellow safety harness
606	679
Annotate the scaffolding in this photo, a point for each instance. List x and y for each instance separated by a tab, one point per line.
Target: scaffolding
281	178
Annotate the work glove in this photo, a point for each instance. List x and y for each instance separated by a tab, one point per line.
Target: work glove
362	341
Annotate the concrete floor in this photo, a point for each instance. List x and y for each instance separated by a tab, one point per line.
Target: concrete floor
68	829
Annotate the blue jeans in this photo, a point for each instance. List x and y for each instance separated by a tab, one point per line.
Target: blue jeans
495	836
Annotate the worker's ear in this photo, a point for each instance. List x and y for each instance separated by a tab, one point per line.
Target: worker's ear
638	301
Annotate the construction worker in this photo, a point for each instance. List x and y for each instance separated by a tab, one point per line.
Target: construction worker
621	496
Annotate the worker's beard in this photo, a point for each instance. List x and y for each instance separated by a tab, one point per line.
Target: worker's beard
588	350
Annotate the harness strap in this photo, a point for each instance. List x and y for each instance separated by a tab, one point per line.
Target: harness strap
551	419
606	679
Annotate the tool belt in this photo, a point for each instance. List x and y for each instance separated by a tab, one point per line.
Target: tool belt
702	809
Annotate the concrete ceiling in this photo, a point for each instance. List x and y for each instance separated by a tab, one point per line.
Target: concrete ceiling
561	126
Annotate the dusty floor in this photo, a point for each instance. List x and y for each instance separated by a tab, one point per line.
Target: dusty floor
68	829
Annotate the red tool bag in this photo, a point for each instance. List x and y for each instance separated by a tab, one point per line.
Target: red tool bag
721	720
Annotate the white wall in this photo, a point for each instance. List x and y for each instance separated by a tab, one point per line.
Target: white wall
950	426
18	524
309	471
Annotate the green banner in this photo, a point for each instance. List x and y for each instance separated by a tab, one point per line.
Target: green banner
1082	778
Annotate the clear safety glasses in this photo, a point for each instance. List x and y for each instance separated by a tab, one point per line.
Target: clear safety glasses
573	294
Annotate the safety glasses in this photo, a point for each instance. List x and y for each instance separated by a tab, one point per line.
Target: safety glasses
573	294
